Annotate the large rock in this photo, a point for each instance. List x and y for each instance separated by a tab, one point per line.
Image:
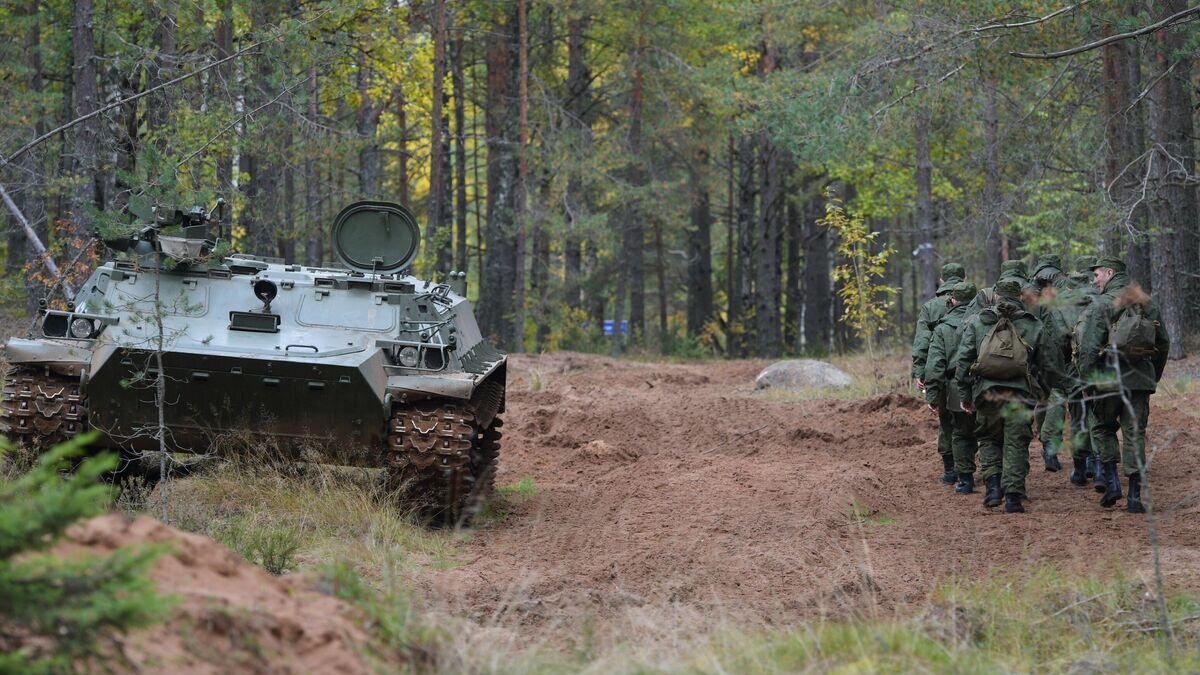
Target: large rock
799	374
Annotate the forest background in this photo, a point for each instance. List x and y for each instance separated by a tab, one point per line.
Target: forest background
667	162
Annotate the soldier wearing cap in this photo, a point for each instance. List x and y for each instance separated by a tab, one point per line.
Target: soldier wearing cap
1050	284
1071	309
932	312
940	393
1122	352
1003	405
1009	269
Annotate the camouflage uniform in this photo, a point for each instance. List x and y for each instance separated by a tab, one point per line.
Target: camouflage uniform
1004	408
1053	414
1009	269
939	389
1119	387
931	313
1071	309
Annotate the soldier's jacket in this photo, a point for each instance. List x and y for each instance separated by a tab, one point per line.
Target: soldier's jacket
1042	361
940	366
1069	309
1093	357
931	312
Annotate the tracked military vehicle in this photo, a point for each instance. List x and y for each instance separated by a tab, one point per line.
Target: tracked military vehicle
358	363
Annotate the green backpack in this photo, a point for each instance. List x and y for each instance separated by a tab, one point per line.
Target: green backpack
1133	334
1003	354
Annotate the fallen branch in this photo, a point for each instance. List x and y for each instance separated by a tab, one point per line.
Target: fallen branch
36	242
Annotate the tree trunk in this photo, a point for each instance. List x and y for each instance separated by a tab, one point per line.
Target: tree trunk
518	336
1137	255
766	283
460	153
924	174
992	218
496	287
86	189
158	106
402	182
794	298
635	233
818	283
223	40
437	238
578	106
699	265
747	192
314	247
1174	253
366	119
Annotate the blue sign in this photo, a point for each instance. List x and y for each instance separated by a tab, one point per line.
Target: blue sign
608	327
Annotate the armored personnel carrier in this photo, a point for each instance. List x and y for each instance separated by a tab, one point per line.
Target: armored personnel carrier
358	363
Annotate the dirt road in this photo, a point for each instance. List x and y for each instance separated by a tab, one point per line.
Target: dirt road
672	495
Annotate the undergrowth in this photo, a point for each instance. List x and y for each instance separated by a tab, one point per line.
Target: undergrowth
1048	622
288	518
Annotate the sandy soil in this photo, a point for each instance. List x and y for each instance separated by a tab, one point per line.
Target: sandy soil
230	616
671	496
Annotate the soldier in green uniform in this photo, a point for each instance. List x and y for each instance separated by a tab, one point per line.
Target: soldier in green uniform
940	392
932	312
1123	350
1071	307
1009	269
1051	284
1000	354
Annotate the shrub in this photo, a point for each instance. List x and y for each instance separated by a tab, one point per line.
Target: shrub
52	609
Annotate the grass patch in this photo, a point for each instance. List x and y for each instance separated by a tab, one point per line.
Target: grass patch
525	487
288	520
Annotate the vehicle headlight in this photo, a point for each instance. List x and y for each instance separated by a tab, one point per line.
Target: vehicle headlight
408	357
82	328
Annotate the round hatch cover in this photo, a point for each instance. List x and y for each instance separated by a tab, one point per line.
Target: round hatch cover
376	237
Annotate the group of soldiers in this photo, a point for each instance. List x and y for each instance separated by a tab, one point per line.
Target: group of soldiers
1088	347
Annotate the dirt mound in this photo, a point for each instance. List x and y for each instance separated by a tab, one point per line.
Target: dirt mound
890	400
229	616
671	495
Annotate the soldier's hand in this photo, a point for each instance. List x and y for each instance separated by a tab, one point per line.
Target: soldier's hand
967	407
921	383
932	407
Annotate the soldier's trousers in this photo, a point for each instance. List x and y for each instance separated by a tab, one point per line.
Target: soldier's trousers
1004	429
963	441
1109	414
1081	436
945	432
1051	421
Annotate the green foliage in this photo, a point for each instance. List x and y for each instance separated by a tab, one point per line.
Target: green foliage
271	546
53	609
525	487
391	618
859	271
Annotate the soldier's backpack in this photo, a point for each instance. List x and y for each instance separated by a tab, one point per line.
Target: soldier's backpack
1003	354
1132	334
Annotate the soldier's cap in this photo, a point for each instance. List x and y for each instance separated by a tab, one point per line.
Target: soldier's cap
1013	268
953	270
964	291
1008	288
1084	263
1048	267
1112	262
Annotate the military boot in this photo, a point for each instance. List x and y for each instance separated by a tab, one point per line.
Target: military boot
994	495
1051	460
1079	473
948	475
965	484
1112	485
1134	503
1097	474
1012	503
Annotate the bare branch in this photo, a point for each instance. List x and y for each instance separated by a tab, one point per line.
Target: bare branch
1165	23
1031	22
35	241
